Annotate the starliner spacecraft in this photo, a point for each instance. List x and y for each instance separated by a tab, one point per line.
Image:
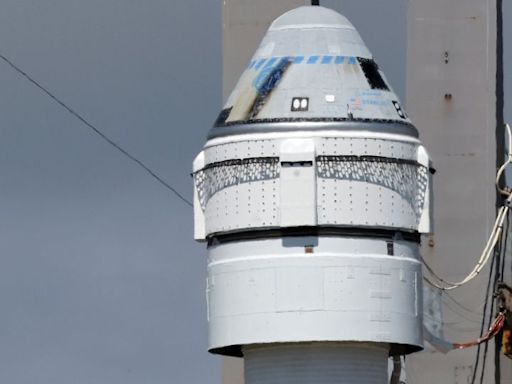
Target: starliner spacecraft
312	192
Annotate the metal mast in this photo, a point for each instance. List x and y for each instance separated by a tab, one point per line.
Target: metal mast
453	95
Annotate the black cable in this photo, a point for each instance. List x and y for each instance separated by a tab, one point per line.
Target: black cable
95	130
500	134
506	235
498	338
497	355
500	261
505	245
486	347
491	317
459	304
482	327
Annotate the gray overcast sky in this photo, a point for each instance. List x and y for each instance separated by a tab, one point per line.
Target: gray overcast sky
100	279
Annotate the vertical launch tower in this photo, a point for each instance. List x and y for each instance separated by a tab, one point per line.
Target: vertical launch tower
312	192
454	95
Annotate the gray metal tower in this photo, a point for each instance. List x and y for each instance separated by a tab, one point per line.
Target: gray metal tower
452	97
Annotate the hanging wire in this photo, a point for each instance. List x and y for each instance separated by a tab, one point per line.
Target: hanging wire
447	285
482	327
505	246
463	307
460	314
494	237
503	191
497	264
491	316
96	130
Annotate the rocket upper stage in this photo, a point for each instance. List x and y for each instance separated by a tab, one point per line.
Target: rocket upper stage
312	191
312	67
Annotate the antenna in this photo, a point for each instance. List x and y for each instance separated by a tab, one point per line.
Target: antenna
315	2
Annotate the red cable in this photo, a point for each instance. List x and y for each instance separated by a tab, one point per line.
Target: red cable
494	329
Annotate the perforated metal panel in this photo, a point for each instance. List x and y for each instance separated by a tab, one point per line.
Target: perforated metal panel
242	149
363	182
245	206
365	146
218	176
371	191
408	179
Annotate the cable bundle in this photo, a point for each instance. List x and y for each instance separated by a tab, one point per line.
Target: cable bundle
494	237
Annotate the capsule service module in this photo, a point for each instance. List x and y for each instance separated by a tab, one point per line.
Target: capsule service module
312	192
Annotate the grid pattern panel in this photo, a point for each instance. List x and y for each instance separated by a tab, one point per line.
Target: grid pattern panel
407	178
219	176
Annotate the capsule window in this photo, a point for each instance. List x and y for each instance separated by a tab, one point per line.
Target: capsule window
371	71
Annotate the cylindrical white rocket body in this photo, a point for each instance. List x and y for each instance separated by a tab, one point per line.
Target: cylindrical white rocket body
312	192
316	363
314	288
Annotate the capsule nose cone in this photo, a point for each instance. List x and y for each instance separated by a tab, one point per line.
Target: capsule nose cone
310	17
312	71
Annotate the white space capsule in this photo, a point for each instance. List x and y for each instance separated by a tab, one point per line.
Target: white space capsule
312	192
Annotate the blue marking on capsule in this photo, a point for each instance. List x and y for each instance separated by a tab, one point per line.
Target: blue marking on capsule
270	62
326	59
352	60
259	80
251	64
288	59
260	63
269	77
339	59
313	59
298	59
